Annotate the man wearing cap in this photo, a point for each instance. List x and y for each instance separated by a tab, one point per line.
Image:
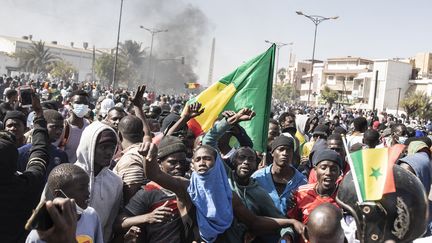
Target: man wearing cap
320	132
327	165
15	122
280	178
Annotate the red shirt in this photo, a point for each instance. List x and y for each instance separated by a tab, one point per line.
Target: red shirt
306	199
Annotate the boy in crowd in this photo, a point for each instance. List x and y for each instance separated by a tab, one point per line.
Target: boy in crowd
70	181
94	153
55	128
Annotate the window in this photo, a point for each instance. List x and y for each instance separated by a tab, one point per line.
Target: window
330	77
303	70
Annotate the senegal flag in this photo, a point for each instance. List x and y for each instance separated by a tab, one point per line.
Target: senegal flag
249	86
373	170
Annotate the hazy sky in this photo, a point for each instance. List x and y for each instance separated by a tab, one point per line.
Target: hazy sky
367	28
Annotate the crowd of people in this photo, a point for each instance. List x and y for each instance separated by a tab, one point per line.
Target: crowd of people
122	166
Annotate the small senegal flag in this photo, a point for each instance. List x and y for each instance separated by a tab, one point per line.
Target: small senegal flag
373	171
192	85
249	86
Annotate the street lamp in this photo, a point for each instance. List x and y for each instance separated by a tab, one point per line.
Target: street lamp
316	19
278	46
152	31
117	46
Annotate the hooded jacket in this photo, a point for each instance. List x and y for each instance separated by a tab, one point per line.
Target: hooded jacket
106	188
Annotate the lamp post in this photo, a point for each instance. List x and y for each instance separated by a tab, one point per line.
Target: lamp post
278	46
152	31
316	19
117	46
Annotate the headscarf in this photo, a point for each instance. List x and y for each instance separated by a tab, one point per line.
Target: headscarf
212	197
415	146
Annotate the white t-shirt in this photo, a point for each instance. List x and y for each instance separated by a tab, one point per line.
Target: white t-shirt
88	229
73	140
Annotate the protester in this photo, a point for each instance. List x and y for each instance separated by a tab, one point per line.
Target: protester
94	154
70	181
21	192
75	124
56	156
280	179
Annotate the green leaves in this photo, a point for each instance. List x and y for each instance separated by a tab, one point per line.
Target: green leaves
417	104
329	96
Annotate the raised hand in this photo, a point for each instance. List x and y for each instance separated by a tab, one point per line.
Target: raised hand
138	99
228	114
36	105
148	151
245	114
194	110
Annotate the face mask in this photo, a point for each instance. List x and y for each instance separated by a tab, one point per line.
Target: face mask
402	140
79	210
80	110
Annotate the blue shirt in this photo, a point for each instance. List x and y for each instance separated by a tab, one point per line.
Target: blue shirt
56	157
265	180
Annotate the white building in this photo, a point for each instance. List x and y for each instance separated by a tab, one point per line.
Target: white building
80	58
339	74
8	63
393	82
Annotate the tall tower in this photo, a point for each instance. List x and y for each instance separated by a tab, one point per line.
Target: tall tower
210	75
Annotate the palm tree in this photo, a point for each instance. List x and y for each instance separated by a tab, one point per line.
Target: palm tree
37	58
132	53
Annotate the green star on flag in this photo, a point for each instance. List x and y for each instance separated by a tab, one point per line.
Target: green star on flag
376	173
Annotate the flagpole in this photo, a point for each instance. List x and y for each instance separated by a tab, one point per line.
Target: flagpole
354	175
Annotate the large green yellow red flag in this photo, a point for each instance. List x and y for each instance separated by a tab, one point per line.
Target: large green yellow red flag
249	86
373	171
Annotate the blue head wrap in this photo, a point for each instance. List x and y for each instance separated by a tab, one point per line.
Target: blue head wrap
212	197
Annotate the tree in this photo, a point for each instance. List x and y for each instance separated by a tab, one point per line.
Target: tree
104	68
62	70
281	74
283	92
132	52
329	96
37	58
133	56
417	104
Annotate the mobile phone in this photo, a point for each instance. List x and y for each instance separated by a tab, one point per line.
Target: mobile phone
40	219
26	99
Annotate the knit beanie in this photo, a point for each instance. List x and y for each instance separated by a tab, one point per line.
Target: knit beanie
326	154
282	141
15	115
170	145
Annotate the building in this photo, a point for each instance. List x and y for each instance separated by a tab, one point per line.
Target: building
423	65
8	63
299	77
339	74
393	83
80	57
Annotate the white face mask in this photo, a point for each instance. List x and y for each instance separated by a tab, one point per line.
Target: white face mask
80	110
402	139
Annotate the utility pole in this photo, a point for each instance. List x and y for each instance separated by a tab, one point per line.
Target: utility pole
397	108
152	31
375	91
117	47
210	74
93	64
316	19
